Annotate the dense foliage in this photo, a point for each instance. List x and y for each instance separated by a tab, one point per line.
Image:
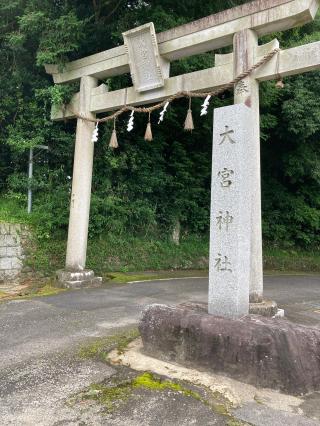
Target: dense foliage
145	188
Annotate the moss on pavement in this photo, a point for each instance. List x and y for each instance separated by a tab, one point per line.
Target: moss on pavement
100	348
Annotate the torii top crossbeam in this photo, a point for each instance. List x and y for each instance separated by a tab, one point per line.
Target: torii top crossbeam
206	34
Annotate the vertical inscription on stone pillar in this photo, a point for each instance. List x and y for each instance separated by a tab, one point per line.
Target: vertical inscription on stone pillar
232	186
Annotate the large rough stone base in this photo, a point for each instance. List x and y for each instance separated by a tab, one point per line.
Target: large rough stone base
265	352
78	279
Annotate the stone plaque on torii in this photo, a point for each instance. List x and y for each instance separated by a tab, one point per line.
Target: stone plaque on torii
150	69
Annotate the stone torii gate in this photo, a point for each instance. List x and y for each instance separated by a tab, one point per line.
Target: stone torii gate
241	27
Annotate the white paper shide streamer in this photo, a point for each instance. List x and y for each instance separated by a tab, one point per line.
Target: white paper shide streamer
95	133
163	112
130	122
205	105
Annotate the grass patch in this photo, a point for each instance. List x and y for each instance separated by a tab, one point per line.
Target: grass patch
122	278
113	256
112	394
100	348
37	288
130	254
149	381
291	260
11	212
125	254
108	396
4	295
235	422
46	290
116	257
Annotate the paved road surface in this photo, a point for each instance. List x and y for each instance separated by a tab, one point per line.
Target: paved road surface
37	337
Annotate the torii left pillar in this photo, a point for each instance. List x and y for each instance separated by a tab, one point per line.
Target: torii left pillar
75	274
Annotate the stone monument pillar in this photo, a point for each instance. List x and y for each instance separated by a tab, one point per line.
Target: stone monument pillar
231	210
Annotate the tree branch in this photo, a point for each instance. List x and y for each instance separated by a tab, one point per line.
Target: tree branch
97	10
114	9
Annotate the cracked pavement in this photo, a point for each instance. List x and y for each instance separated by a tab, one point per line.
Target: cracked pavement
40	369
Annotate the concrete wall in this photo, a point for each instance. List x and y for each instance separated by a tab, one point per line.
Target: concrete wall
12	241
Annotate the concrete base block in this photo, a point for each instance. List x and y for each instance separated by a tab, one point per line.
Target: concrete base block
279	314
265	352
266	308
78	279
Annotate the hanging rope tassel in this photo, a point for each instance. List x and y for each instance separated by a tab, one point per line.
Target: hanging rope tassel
148	134
280	84
114	140
188	124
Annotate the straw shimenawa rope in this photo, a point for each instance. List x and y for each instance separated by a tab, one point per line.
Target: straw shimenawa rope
182	94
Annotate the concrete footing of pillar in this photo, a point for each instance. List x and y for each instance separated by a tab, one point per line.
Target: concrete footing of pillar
77	279
266	308
266	352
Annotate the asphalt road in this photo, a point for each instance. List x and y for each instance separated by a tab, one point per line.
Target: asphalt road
37	337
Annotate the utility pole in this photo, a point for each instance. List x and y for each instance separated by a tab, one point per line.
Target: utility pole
30	177
30	174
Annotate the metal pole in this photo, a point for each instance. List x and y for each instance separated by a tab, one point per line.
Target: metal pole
30	178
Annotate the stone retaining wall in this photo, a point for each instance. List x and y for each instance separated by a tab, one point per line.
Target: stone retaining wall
12	241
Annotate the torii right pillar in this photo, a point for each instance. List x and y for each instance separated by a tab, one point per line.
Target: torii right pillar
245	44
